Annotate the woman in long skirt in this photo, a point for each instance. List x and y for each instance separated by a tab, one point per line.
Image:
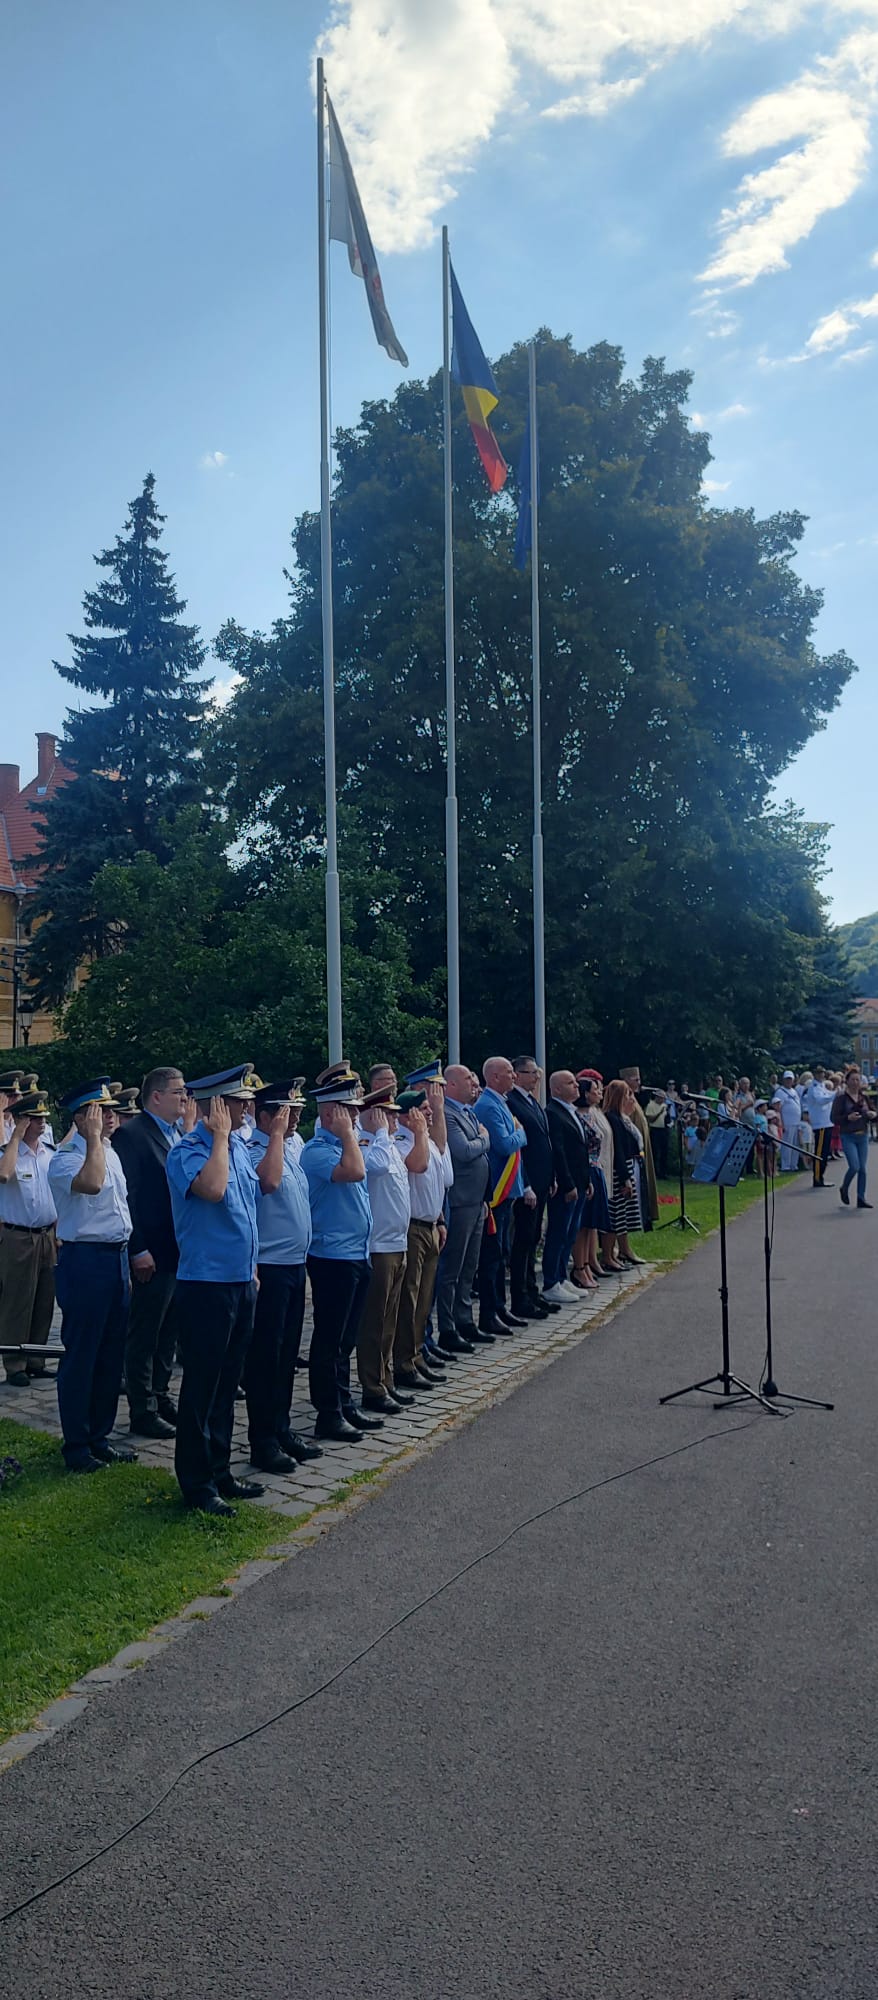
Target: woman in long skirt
625	1213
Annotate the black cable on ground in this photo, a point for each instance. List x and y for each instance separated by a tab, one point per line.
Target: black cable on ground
302	1701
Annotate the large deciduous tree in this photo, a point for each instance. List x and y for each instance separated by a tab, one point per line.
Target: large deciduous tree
134	755
679	677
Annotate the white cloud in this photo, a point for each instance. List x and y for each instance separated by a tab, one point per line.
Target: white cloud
855	354
733	410
832	329
422	86
830	334
222	690
213	461
716	485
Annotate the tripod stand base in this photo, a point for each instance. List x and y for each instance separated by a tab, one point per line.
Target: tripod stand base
678	1222
771	1389
742	1393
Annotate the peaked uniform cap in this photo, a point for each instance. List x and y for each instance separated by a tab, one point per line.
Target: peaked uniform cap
10	1080
241	1081
430	1072
96	1092
380	1100
338	1085
32	1104
125	1100
272	1095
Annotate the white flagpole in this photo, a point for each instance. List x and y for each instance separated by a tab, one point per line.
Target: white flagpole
452	882
538	885
333	904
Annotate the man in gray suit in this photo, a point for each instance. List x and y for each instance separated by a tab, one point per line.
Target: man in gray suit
468	1144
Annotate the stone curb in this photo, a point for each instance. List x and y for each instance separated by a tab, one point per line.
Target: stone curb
325	1517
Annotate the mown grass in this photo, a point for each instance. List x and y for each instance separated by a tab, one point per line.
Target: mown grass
88	1565
667	1246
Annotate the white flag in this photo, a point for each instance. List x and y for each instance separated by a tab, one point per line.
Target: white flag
347	224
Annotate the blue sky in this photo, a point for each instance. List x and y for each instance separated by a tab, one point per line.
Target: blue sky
695	181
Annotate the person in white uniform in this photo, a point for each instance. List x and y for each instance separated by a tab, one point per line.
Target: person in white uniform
27	1239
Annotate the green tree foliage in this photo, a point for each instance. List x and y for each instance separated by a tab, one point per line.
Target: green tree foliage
223	965
822	1029
135	754
679	677
859	943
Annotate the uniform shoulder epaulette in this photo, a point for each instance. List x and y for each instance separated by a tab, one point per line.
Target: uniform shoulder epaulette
66	1146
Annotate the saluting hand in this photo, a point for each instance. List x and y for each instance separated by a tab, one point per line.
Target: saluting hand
374	1119
280	1121
190	1116
417	1121
94	1121
219	1118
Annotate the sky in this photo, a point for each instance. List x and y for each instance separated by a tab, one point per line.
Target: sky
689	178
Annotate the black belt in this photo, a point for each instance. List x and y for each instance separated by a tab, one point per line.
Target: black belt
28	1228
85	1243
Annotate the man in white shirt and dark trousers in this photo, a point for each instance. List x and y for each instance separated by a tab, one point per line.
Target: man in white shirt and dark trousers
412	1367
27	1239
91	1278
817	1099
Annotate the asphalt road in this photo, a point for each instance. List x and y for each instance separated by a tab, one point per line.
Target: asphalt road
631	1754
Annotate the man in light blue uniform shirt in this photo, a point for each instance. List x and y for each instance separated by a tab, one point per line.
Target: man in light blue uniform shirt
387	1181
338	1261
215	1190
91	1278
284	1225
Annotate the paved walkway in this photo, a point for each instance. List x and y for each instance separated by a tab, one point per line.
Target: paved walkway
473	1381
581	1706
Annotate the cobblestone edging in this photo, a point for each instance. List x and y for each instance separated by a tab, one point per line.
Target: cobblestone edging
474	1385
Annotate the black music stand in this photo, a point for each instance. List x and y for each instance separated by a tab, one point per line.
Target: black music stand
681	1221
724	1158
769	1386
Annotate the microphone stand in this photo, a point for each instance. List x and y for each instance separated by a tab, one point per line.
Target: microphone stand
681	1221
769	1386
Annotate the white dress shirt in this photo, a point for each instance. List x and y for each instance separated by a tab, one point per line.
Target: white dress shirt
27	1201
388	1181
427	1190
89	1218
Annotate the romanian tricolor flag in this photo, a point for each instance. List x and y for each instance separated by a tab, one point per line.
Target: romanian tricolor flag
471	369
503	1189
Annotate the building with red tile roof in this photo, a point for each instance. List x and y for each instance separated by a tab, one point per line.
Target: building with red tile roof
19	840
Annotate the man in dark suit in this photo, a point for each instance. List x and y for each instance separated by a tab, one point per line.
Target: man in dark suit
143	1145
538	1168
572	1182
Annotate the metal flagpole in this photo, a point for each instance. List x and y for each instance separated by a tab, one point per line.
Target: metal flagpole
452	873
538	886
333	904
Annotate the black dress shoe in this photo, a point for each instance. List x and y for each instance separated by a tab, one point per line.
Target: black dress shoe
114	1454
272	1459
412	1380
212	1506
426	1366
299	1448
240	1489
361	1422
480	1338
864	1204
89	1464
435	1354
338	1429
150	1425
400	1398
493	1325
19	1379
382	1405
511	1320
453	1343
167	1409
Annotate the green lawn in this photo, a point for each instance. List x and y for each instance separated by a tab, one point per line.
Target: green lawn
87	1565
667	1246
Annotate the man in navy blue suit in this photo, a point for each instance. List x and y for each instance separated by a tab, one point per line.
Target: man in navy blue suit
507	1138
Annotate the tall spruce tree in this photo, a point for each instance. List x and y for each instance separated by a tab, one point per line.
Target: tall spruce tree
135	755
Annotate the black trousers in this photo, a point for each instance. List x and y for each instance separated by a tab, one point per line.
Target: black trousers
492	1263
214	1323
273	1352
152	1337
338	1295
660	1139
527	1226
822	1151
